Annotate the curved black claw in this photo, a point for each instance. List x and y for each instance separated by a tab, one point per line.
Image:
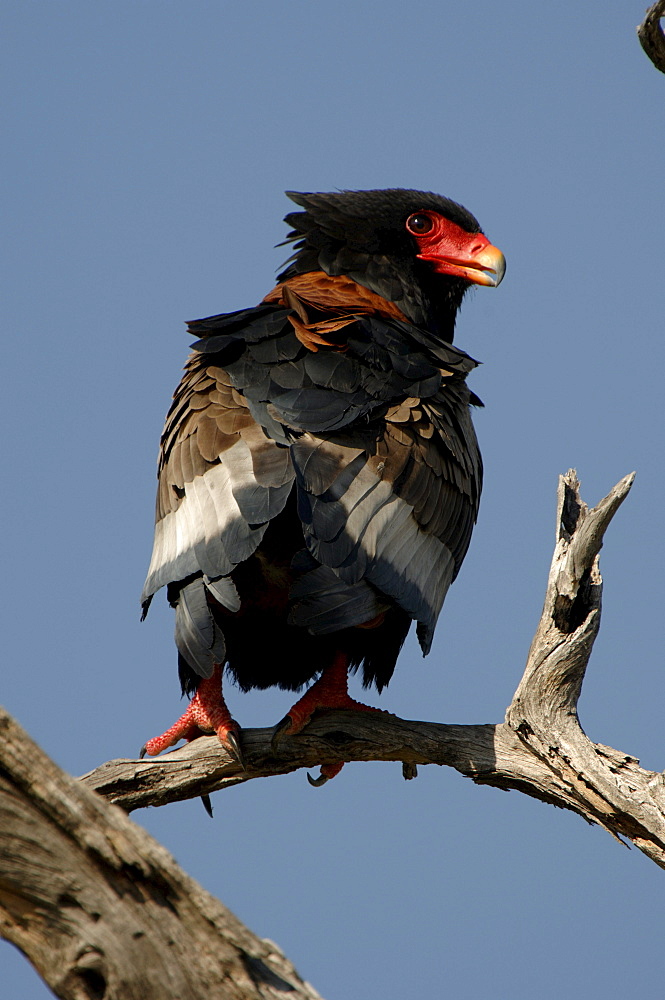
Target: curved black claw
142	752
317	782
207	804
232	744
280	730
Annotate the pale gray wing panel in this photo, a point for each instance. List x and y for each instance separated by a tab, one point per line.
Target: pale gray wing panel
221	482
360	528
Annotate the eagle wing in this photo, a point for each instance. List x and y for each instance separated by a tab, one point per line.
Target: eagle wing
221	480
368	414
398	515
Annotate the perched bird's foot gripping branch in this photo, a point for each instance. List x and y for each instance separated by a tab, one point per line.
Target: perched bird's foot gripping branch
206	713
329	692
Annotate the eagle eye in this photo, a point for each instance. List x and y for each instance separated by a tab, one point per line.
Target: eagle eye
419	224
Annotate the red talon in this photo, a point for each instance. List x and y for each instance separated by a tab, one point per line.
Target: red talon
206	713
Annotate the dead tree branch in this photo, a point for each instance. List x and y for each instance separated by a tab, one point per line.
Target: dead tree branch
651	36
102	910
540	749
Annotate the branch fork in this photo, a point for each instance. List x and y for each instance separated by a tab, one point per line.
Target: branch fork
540	749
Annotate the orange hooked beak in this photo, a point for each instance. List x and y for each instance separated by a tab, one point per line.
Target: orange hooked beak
451	250
483	264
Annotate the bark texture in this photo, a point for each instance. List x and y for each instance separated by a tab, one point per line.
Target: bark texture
650	34
102	911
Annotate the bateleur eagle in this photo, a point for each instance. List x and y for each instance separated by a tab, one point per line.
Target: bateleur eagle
319	475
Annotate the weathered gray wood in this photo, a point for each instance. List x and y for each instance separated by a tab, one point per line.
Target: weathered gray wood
650	34
540	749
102	910
599	783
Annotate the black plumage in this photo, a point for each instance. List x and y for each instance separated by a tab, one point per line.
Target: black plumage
319	475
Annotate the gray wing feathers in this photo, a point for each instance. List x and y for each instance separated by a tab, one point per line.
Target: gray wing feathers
357	527
220	480
415	568
223	589
206	533
197	637
323	603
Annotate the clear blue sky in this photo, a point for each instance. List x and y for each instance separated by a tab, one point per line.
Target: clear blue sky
149	145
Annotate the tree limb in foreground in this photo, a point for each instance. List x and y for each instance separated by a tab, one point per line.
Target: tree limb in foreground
102	911
540	749
650	34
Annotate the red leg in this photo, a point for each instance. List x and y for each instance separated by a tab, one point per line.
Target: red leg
207	713
330	691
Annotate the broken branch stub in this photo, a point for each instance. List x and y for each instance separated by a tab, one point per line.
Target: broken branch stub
546	698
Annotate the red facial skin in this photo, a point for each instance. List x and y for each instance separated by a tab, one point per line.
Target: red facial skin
451	250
